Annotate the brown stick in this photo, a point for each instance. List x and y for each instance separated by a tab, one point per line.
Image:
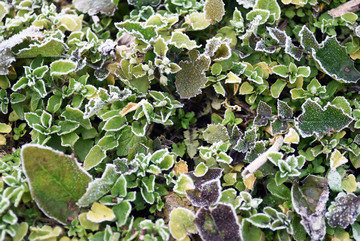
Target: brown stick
351	6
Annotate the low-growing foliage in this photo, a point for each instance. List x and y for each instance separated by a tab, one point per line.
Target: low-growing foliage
215	120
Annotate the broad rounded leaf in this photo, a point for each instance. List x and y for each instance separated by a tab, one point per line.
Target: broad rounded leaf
62	67
181	223
56	181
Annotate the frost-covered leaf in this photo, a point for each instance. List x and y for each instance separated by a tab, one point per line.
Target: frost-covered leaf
218	49
211	174
319	121
215	133
181	40
309	201
183	183
6	57
94	157
55	188
137	30
100	213
197	21
122	212
308	40
62	67
191	78
214	10
260	220
264	113
343	68
160	47
343	211
93	7
271	5
206	195
264	14
218	223
181	223
51	47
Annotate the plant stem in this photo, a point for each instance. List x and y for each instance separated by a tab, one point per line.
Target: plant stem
260	160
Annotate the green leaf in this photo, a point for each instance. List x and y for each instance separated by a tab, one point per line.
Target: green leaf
277	88
181	223
264	14
62	67
260	220
319	121
215	133
343	68
4	9
99	187
197	21
74	114
191	78
342	103
271	5
137	30
122	212
55	188
54	103
200	169
308	40
214	10
69	139
51	47
108	142
181	40
160	47
87	224
94	157
281	70
120	187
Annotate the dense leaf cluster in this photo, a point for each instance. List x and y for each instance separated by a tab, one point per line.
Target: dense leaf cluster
179	119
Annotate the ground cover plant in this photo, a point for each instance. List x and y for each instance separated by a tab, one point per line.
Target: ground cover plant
212	120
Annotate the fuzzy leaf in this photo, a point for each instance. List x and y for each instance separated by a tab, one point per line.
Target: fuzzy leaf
343	68
343	211
206	195
214	10
55	188
319	121
215	133
191	78
181	223
308	40
218	223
